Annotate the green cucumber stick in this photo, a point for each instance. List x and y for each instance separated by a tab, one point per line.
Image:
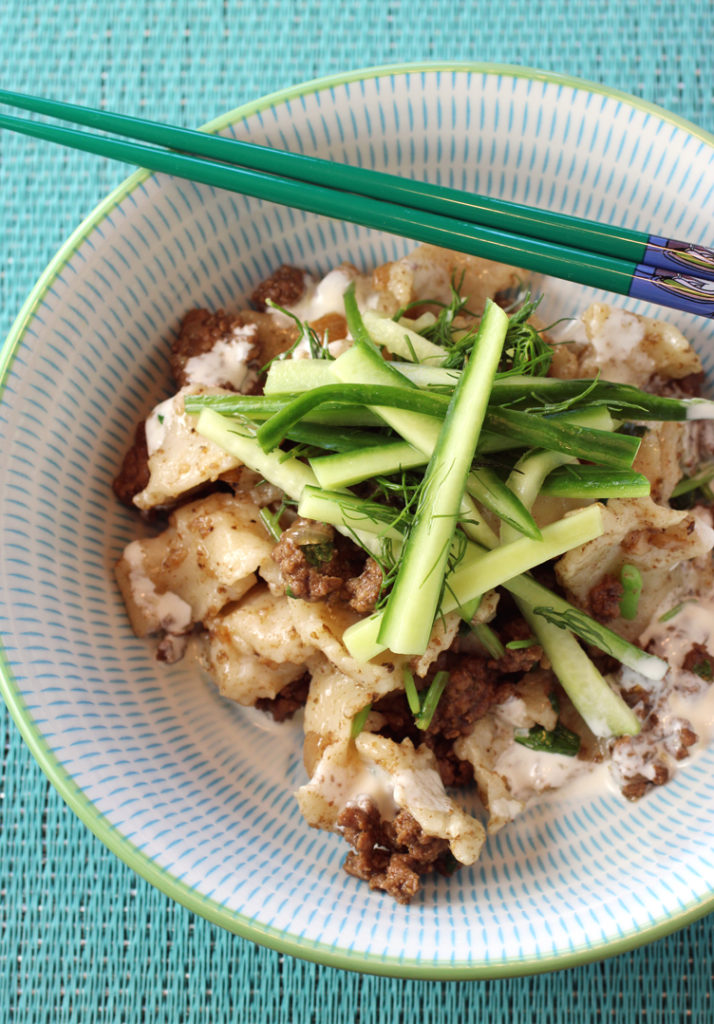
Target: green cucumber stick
363	364
414	599
526	479
603	710
480	571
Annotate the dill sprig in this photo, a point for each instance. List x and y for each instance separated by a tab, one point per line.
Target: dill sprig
525	351
317	346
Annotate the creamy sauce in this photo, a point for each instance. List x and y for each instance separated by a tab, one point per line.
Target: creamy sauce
170	612
371	783
693	624
532	771
319	299
422	787
158	423
225	365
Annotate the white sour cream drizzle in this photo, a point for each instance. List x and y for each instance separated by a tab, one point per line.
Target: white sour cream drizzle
225	365
170	612
673	639
370	783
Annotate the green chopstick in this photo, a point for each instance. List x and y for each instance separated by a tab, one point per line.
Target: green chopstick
631	263
549	225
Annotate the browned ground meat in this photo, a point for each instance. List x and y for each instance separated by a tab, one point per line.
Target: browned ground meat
335	569
684	387
520	660
284	287
637	785
453	771
363	590
389	855
290	699
604	599
699	661
475	685
651	749
305	574
470	692
133	475
687	739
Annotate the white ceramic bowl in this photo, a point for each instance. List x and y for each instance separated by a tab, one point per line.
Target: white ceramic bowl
193	792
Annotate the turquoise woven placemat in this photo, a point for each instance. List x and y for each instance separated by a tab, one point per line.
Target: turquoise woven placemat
82	939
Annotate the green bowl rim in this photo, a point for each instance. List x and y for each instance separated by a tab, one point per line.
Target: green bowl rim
75	797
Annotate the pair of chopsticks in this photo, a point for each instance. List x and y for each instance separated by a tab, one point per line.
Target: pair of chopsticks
650	267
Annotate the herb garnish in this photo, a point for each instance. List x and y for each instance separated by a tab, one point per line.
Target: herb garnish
554	741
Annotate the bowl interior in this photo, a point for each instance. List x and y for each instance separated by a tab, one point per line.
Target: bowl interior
196	793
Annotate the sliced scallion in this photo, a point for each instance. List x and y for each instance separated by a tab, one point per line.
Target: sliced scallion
631	580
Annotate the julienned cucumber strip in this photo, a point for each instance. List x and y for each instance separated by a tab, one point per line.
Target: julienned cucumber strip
352	467
563	615
340	508
603	710
414	599
485	485
482	571
401	341
289	474
297	375
595	482
363	364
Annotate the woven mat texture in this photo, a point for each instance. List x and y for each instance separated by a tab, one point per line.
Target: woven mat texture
82	939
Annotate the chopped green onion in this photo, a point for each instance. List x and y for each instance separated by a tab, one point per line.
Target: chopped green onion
703	668
317	555
411	692
631	580
271	522
600	446
488	639
272	432
672	612
701	478
256	408
521	645
623	400
359	720
432	698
